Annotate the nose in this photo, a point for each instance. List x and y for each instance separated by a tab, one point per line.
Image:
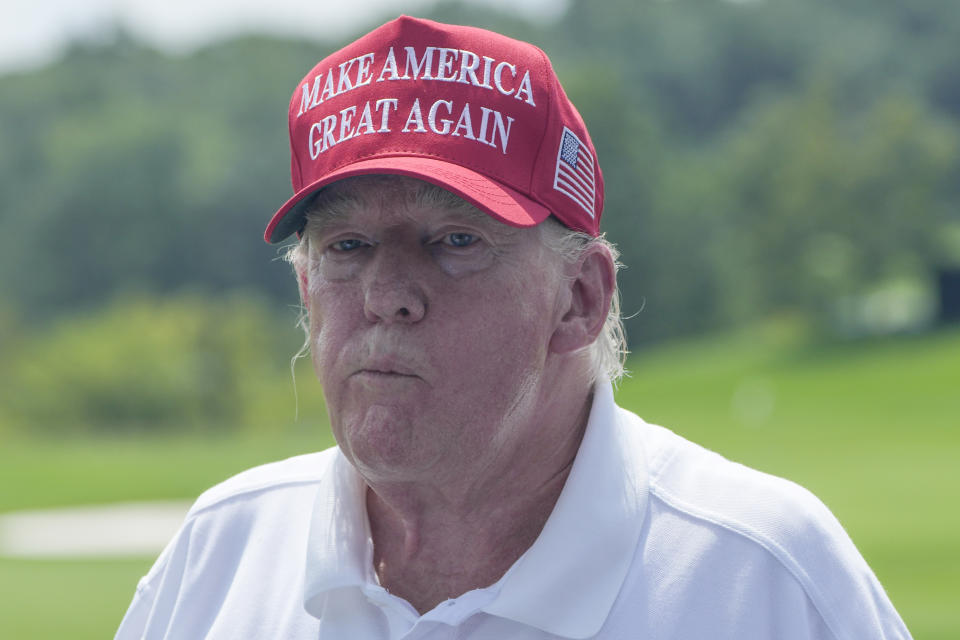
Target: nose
394	293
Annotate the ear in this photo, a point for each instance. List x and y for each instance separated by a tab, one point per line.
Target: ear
591	289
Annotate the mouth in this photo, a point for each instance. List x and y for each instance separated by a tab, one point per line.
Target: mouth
385	368
384	373
384	381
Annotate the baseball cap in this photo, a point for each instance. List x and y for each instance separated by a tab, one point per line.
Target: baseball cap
469	110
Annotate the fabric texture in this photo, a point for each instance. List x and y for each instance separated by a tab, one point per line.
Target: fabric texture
469	110
653	537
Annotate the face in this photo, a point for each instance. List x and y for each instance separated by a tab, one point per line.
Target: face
430	330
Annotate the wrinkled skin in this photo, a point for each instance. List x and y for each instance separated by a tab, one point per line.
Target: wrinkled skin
452	350
431	331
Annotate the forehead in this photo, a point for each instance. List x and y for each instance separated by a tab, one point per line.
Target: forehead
399	195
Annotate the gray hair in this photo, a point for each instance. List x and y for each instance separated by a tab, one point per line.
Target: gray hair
607	353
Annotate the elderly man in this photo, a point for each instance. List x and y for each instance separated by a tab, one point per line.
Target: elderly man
462	321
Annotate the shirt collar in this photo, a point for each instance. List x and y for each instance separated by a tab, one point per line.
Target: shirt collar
589	539
339	549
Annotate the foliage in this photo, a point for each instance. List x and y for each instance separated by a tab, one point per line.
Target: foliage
124	170
180	363
770	157
759	156
798	207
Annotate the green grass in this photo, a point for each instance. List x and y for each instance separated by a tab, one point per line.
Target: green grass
51	473
870	427
77	599
85	598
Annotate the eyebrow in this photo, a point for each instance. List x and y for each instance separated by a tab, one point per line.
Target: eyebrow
330	206
432	195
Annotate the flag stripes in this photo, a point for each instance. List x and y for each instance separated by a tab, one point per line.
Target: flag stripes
574	176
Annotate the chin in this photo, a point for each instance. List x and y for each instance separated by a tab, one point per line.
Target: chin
382	442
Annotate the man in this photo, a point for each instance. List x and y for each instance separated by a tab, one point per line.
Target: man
461	320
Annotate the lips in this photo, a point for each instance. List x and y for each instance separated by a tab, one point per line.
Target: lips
377	372
383	383
386	366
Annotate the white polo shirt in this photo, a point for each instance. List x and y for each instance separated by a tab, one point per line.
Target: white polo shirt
652	538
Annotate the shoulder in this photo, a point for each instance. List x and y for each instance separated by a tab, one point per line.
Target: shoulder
245	509
255	523
765	529
707	486
283	475
772	511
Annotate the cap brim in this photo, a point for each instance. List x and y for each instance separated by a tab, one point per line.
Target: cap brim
493	198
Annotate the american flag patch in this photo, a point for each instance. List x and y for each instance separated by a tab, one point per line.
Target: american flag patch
574	177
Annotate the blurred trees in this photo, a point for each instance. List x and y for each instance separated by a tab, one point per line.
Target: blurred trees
181	362
761	157
768	157
124	170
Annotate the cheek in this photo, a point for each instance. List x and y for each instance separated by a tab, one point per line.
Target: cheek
304	289
504	337
332	321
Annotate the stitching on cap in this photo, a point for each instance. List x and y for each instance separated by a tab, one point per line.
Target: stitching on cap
381	152
547	67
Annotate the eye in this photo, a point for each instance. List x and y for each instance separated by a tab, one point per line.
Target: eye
349	244
459	239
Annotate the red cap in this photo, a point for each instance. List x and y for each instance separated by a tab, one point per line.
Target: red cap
472	111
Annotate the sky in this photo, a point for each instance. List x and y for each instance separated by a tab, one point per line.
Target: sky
34	32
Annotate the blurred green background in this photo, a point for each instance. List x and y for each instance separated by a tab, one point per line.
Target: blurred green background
783	178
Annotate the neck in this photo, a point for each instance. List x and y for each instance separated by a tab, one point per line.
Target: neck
437	540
